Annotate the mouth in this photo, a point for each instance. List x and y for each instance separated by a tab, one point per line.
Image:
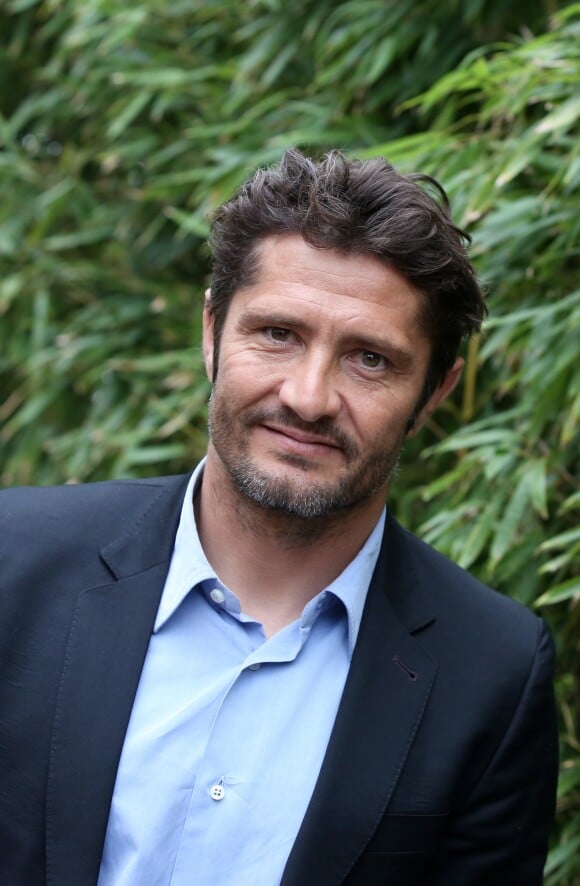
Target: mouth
301	442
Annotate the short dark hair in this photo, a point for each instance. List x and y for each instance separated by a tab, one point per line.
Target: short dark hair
356	207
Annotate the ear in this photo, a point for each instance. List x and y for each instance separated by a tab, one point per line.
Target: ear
438	396
207	341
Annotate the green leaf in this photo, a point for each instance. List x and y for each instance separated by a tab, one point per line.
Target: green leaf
538	485
565	591
131	110
562	117
561	540
509	524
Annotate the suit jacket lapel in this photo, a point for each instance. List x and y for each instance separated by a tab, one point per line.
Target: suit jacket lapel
387	689
108	641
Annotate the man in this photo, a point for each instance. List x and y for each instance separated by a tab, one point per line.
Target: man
254	675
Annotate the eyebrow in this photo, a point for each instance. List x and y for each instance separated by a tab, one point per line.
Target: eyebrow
269	318
400	355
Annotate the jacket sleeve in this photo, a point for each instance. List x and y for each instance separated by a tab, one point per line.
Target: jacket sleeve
500	834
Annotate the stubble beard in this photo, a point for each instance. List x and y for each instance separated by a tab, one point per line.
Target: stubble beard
364	476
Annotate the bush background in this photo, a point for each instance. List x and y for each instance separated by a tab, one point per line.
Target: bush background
123	125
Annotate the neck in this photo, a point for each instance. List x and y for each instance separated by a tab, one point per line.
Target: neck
275	562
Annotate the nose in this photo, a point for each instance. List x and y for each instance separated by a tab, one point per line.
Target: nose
310	390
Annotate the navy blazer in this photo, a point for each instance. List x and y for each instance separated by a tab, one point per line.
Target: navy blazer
441	766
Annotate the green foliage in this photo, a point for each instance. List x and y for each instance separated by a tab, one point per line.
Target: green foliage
122	126
499	493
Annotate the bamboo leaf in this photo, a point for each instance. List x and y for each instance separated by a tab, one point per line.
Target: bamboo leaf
561	540
567	590
563	117
510	523
538	486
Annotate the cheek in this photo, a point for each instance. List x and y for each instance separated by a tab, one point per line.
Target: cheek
381	417
245	378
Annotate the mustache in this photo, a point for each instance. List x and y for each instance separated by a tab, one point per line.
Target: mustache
322	427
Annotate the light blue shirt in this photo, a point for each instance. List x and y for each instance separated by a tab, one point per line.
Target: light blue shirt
229	729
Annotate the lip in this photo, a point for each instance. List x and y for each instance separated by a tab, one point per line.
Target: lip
301	440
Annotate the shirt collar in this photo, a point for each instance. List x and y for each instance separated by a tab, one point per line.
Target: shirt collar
352	585
189	567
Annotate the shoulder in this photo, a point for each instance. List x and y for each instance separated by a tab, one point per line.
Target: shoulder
21	500
494	656
30	511
465	612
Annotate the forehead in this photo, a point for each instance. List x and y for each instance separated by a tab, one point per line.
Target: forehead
346	287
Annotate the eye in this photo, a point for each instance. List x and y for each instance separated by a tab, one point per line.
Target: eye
371	360
277	333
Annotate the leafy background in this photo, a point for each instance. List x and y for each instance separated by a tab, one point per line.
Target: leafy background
123	125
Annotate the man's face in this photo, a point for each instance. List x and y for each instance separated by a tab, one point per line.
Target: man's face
322	364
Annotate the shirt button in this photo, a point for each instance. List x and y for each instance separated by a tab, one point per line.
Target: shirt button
217	595
217	792
254	667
